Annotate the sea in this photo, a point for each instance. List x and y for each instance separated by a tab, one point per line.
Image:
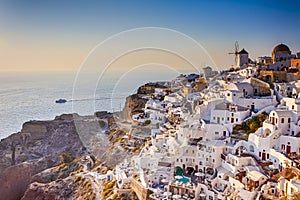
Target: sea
26	96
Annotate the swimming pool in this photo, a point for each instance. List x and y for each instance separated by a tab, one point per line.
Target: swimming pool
184	179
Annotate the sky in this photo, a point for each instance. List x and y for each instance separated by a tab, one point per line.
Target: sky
46	35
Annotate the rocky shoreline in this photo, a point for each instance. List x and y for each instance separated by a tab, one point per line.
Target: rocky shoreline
31	160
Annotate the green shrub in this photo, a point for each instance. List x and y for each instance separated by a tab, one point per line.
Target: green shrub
251	125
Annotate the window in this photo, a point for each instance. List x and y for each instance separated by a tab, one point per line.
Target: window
289	120
227	118
259	154
282	120
282	147
216	133
228	94
214	118
236	119
213	160
200	163
231	114
293	106
292	190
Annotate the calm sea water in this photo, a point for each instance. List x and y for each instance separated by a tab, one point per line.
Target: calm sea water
28	96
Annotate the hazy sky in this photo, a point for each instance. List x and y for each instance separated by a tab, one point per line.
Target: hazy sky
58	34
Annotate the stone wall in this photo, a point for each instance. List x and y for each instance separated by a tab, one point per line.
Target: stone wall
141	192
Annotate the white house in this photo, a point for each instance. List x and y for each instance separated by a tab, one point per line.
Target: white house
227	113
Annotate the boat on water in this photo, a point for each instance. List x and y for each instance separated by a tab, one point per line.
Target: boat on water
61	101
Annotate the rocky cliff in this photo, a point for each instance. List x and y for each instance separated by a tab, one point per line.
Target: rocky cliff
38	162
134	104
37	147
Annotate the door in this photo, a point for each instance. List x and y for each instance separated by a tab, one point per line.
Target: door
263	156
288	149
252	107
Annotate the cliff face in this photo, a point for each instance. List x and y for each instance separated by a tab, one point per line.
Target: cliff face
34	149
39	139
15	179
26	156
149	88
134	104
72	180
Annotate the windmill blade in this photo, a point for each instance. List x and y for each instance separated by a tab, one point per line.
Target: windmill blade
236	45
236	51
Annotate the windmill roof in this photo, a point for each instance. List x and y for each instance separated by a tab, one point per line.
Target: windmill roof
243	51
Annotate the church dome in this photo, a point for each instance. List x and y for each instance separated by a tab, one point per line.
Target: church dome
281	48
